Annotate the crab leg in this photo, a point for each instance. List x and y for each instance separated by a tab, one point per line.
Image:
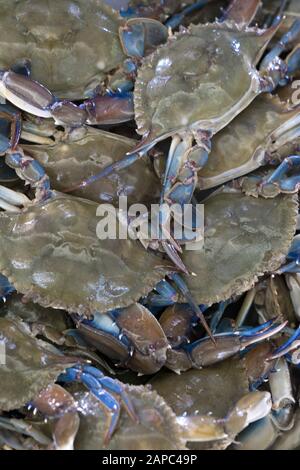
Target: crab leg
241	11
125	162
14	117
286	184
166	295
293	266
203	353
184	162
177	19
275	19
293	63
278	70
286	40
31	171
97	383
180	180
111	108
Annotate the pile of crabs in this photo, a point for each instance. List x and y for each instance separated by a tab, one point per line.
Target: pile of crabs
133	343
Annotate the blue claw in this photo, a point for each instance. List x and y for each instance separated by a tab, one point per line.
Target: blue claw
177	19
203	353
288	164
101	386
258	329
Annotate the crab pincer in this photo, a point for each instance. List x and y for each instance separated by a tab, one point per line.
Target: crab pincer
203	353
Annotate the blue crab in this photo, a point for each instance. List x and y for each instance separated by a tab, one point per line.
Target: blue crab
264	134
192	99
63	239
50	40
245	236
212	392
31	365
134	338
84	152
74	415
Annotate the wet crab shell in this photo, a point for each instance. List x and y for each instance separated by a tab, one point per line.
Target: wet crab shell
30	365
242	146
244	238
208	392
157	428
201	79
71	45
70	161
50	252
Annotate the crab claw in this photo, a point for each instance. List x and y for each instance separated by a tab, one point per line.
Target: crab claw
112	108
203	353
131	337
102	388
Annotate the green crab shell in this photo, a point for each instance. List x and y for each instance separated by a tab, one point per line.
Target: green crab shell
71	45
244	238
157	428
201	79
50	252
29	365
242	146
69	162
